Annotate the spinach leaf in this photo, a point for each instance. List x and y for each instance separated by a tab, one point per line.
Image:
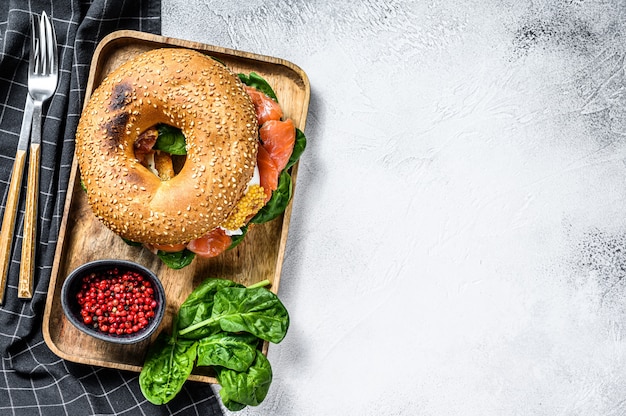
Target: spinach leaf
254	310
232	406
234	351
258	82
168	364
131	243
245	388
198	307
278	202
170	140
178	259
257	311
218	60
236	239
298	148
241	317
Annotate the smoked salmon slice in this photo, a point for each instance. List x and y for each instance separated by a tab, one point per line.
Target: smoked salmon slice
268	172
266	108
212	244
278	138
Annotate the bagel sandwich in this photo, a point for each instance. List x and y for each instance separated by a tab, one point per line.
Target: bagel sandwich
180	155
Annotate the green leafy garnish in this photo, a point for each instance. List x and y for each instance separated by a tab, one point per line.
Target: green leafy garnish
218	60
279	201
170	140
236	239
256	81
131	243
298	148
178	259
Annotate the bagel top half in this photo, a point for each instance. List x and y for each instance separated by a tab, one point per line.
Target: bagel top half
187	90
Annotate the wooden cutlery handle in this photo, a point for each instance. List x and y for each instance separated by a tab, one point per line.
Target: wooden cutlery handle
8	221
27	266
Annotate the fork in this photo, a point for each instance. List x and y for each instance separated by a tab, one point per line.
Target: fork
43	75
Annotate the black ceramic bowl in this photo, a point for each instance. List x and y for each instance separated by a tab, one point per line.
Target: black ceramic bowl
71	307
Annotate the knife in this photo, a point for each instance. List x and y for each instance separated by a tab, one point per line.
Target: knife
27	123
13	198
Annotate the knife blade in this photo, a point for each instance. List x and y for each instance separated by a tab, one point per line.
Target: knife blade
27	124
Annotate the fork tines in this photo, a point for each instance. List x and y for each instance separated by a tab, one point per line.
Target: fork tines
41	61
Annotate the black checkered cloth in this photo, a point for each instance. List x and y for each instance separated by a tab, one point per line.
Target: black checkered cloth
34	381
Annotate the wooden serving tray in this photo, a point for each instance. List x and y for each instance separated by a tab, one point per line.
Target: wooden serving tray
83	238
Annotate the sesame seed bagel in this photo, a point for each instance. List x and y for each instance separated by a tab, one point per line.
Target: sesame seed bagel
187	90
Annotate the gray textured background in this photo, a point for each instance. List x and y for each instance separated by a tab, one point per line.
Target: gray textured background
458	238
